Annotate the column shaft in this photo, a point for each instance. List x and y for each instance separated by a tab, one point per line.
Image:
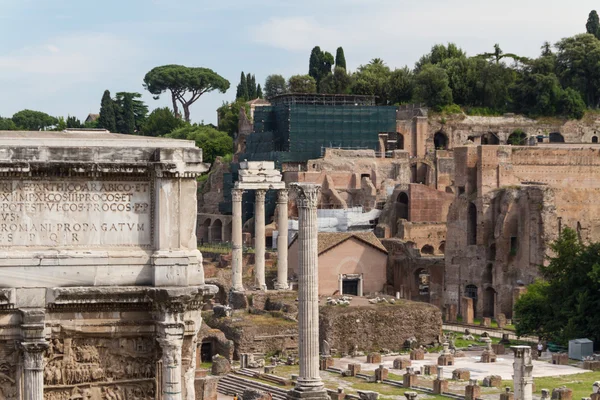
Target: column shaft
171	368
259	239
33	369
282	240
236	239
308	287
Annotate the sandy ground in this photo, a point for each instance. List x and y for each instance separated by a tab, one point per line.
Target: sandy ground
503	366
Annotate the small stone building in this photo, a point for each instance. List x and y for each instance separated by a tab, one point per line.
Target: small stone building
352	263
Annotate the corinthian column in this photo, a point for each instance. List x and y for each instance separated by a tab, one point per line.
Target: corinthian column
282	240
259	238
33	369
236	238
171	344
309	384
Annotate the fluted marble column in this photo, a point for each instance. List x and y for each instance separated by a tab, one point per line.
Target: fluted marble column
309	384
523	377
171	346
33	369
236	239
282	240
259	238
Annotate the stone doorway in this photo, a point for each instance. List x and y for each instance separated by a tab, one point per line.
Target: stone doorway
351	284
471	291
489	302
206	351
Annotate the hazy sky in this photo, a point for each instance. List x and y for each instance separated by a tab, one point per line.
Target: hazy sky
58	56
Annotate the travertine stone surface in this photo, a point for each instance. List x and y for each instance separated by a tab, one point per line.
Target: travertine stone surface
259	238
236	226
523	377
100	276
309	384
282	240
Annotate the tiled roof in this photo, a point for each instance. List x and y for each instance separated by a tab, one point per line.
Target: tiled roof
329	240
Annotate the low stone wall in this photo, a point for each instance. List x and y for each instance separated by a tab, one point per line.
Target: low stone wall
381	326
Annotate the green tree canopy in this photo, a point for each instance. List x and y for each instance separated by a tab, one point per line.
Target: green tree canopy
140	109
213	143
302	84
337	83
160	122
259	93
373	79
432	87
33	120
242	88
107	118
186	84
402	86
320	64
577	66
573	276
593	24
7	124
229	114
274	86
340	59
73	122
438	54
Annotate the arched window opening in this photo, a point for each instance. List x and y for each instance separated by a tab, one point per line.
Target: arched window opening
402	206
490	139
440	141
442	248
517	138
556	137
400	142
427	249
216	230
492	253
594	139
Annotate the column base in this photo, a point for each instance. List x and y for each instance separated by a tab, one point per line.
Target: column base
308	394
282	286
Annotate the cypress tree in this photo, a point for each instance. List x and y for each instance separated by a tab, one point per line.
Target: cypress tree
259	93
314	63
340	59
107	119
593	23
128	115
249	85
242	88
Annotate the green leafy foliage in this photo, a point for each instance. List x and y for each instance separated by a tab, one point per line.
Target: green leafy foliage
274	86
213	143
373	79
302	84
73	122
573	276
401	86
319	65
160	122
593	24
433	87
183	81
139	108
7	124
229	114
259	93
33	120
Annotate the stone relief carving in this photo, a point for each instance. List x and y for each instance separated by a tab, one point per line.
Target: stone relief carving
8	362
100	368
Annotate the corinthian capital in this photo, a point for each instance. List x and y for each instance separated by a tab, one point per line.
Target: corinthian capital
260	195
282	196
307	194
33	354
236	194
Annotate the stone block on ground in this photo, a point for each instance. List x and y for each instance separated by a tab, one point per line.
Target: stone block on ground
373	358
499	349
591	365
325	362
206	388
417	354
562	393
440	386
366	395
430	369
238	300
501	320
402	363
507	394
461	374
467	310
559	358
492	381
354	369
473	390
486	322
409	379
220	365
381	373
445	360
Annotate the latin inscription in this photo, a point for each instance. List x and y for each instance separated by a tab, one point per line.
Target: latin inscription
74	213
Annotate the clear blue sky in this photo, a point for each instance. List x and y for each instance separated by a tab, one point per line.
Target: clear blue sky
58	56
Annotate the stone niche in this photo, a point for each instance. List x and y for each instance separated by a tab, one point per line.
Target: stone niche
101	283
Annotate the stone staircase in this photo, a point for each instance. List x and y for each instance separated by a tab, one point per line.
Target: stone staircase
234	383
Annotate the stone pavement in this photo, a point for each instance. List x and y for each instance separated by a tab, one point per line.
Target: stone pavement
503	366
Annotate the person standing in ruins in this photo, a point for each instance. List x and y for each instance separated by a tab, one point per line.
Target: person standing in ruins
540	349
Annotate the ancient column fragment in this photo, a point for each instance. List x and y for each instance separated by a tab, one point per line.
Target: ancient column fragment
236	237
33	369
523	377
282	240
259	238
309	384
171	343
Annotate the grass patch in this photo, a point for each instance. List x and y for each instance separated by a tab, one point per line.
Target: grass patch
263	319
580	384
285	371
205	365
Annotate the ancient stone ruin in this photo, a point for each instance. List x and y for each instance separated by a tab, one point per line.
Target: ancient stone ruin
101	281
